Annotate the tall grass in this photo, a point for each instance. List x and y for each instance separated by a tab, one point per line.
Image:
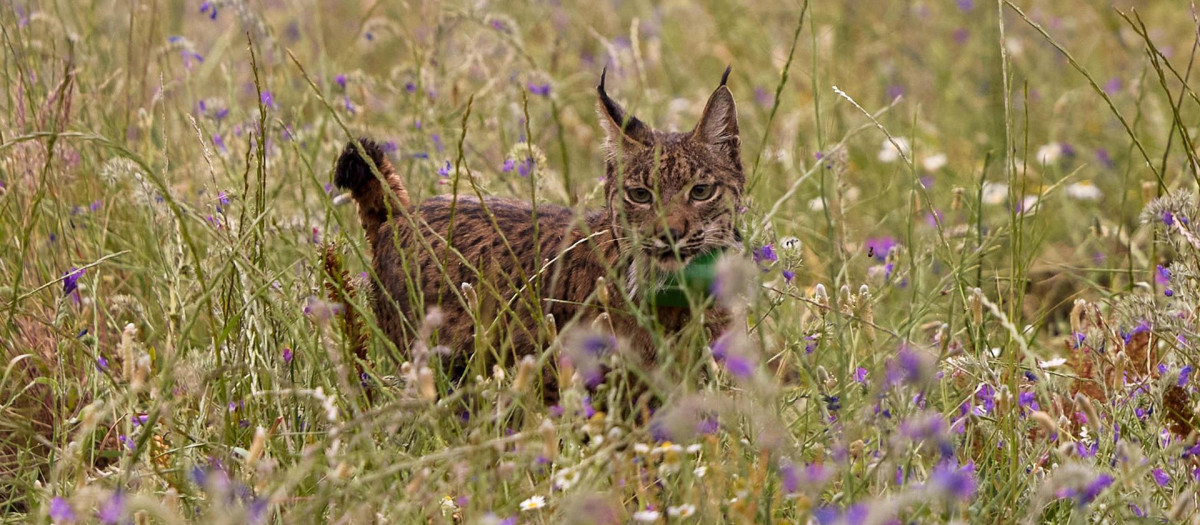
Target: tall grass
969	294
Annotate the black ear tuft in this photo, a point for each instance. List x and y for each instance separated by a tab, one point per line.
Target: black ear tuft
623	130
352	171
725	76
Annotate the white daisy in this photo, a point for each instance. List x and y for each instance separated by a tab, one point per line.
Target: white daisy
1049	153
683	511
533	503
1084	191
934	162
700	471
889	153
646	516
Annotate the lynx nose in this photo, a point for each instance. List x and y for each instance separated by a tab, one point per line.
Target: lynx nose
671	235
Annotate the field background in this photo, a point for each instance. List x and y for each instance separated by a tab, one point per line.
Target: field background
943	178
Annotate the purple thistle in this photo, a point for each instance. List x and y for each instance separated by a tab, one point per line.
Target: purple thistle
1168	218
71	279
60	511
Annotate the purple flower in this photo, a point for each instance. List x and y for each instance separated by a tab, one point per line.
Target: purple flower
954	482
112	510
707	425
1028	400
907	366
987	394
222	198
437	143
267	99
219	142
71	279
1160	477
765	254
340	80
791	478
287	355
599	345
788	275
499	25
923	427
764	98
127	441
210	8
1093	489
445	170
588	411
1163	276
101	363
860	375
1184	374
739	366
60	511
540	89
525	168
139	419
878	247
966	5
895	91
1112	86
1103	157
1136	510
1168	218
508	166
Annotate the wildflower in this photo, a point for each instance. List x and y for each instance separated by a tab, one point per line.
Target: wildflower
219	142
934	162
540	89
893	149
71	279
127	441
860	375
1049	153
788	275
340	80
1184	374
740	366
994	192
908	366
210	8
267	99
445	170
566	478
954	482
321	311
682	511
1028	401
526	167
1160	477
1168	218
533	503
966	5
878	247
113	510
139	420
646	516
1093	489
508	166
700	471
101	363
765	254
1084	191
60	511
1112	86
287	355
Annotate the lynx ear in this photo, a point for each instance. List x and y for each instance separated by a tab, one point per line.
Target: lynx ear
718	125
624	132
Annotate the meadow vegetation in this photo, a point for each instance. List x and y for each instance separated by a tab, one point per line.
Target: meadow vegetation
969	289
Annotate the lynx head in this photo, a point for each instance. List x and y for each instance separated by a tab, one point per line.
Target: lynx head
671	196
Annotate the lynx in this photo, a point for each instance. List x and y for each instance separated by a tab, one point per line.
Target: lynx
669	196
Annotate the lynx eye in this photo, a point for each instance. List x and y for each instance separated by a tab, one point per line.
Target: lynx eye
639	195
702	192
